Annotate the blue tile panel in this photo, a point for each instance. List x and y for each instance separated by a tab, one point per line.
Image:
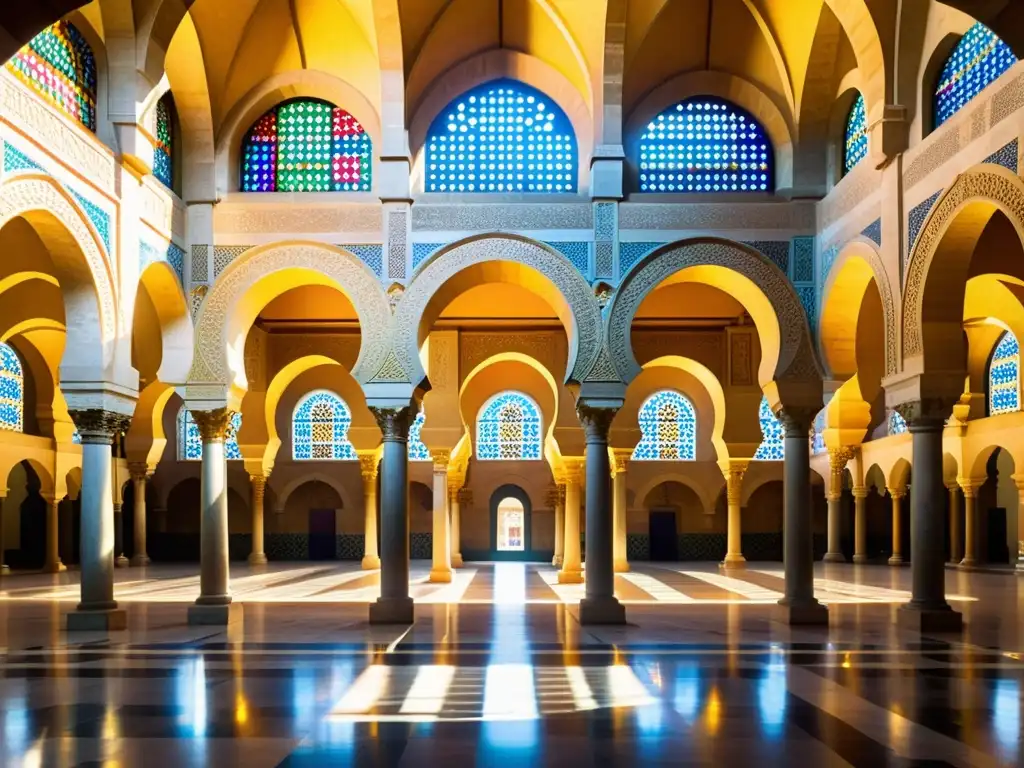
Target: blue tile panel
776	251
372	255
1006	157
578	252
873	232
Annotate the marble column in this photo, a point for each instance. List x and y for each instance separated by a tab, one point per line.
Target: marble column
120	561
214	605
620	558
140	475
955	527
927	610
441	567
257	494
572	567
798	605
394	606
368	463
860	524
52	563
558	501
837	460
97	610
970	523
734	497
599	605
455	495
896	494
4	569
1019	480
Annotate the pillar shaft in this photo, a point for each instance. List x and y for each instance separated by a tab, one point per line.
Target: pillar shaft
860	525
120	561
441	569
559	502
213	535
837	460
970	524
139	477
3	539
955	527
257	493
734	497
896	495
620	557
368	465
454	516
53	564
572	568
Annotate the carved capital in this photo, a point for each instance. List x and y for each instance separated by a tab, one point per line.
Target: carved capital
797	420
860	492
897	493
214	426
926	415
734	484
140	471
970	488
596	421
573	472
394	422
99	426
368	463
441	458
620	461
258	484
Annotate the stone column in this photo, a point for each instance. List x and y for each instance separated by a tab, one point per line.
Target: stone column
620	558
368	463
572	568
896	494
955	529
67	523
257	493
394	606
140	474
120	561
97	609
213	606
454	513
860	525
1019	480
798	605
4	569
558	501
837	460
52	563
441	568
600	605
927	610
734	496
970	523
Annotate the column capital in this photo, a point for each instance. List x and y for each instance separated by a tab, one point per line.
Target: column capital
96	425
897	493
734	482
368	463
596	421
1018	480
573	471
214	425
441	458
259	485
970	486
140	471
394	422
620	460
924	415
860	491
797	420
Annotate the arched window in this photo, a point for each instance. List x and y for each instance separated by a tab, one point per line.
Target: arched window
163	151
502	136
306	145
509	428
773	447
705	144
1004	376
979	58
856	135
60	65
190	443
897	424
668	429
417	450
12	390
320	427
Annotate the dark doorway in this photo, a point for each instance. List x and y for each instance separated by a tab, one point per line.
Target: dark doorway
996	550
664	537
321	534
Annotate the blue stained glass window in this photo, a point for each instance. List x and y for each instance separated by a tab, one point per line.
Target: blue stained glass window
705	144
502	136
818	436
190	443
163	150
773	444
897	424
979	58
320	427
417	450
668	428
1004	376
12	390
509	428
856	135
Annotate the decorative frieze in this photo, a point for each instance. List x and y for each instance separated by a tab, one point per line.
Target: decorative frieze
487	217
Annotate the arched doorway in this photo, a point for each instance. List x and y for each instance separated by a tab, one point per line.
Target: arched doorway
510	524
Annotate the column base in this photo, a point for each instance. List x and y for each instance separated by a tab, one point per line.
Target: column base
121	561
57	567
370	563
605	610
556	561
622	567
834	557
967	564
457	560
440	575
392	610
214	615
97	620
928	620
860	559
574	576
140	561
896	560
733	561
801	614
257	558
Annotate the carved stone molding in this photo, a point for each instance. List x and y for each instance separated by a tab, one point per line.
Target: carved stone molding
394	422
929	413
268	218
99	426
213	425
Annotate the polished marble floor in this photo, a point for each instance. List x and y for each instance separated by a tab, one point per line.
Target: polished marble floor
497	671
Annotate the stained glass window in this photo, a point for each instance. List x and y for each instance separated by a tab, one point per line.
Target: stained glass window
307	145
502	136
979	58
897	424
417	450
12	390
163	152
773	434
59	64
1004	376
668	428
818	432
509	427
705	145
190	443
320	427
856	135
